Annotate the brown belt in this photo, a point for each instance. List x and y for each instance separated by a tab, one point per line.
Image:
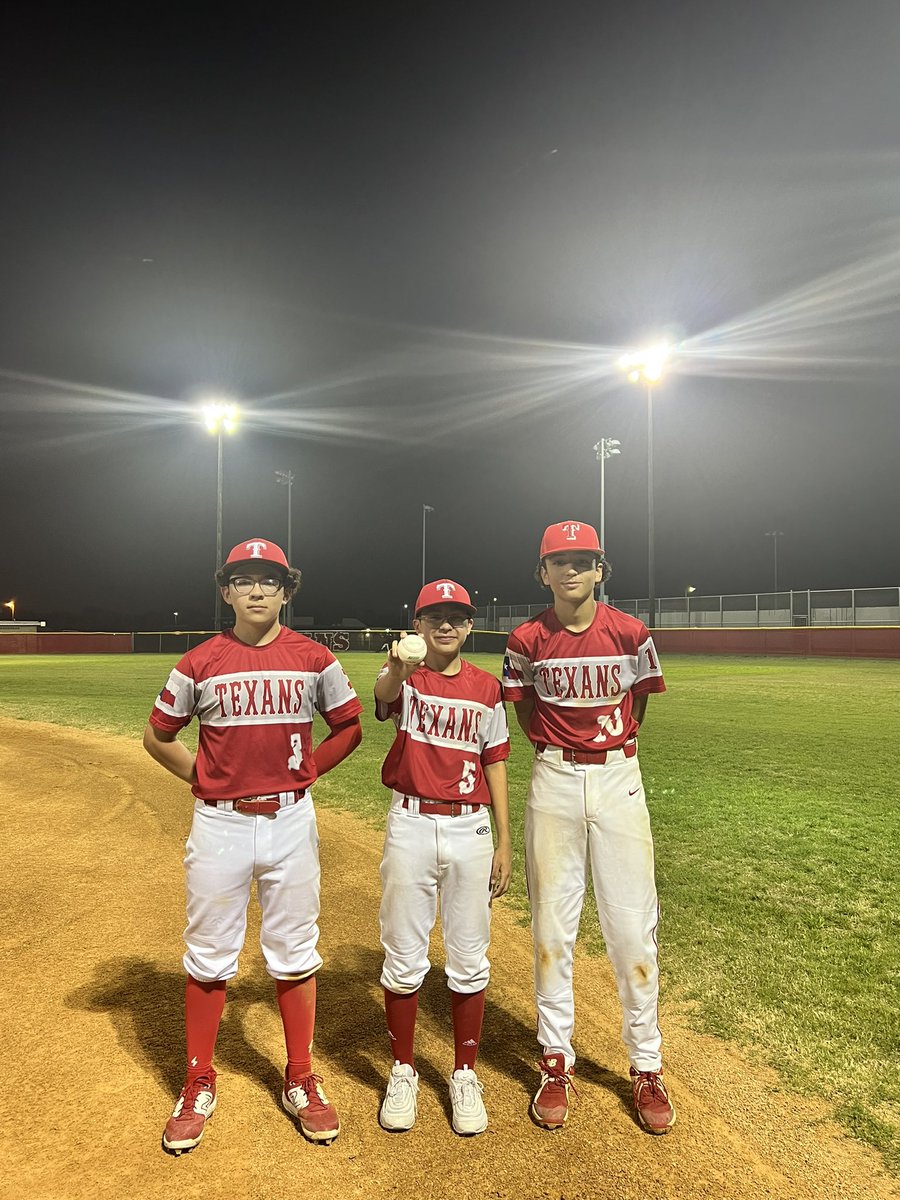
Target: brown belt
257	805
585	757
442	808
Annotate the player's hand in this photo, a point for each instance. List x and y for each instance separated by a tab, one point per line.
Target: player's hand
397	668
501	869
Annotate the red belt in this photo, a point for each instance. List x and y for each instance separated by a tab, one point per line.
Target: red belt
441	808
585	757
257	805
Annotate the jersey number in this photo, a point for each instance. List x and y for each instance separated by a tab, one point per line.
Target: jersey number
296	758
611	725
467	783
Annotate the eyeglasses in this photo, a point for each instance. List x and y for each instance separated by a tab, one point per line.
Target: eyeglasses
459	620
243	585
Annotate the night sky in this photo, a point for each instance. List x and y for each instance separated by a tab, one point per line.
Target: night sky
411	240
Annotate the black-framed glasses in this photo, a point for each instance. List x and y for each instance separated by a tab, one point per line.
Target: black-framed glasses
459	620
243	585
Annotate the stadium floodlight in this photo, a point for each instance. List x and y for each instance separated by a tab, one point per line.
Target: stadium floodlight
11	605
220	417
647	366
604	449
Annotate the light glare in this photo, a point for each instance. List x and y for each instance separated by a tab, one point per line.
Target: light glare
220	415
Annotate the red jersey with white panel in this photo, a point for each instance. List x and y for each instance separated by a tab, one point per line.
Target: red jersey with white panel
449	727
255	705
582	684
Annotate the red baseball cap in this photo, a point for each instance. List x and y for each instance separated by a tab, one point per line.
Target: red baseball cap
444	591
258	550
569	535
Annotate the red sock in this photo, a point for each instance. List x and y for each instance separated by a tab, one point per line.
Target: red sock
297	1001
468	1017
400	1011
203	1005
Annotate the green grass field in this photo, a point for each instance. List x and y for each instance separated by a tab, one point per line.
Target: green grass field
774	800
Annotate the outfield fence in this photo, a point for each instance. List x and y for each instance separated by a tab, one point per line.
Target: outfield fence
790	609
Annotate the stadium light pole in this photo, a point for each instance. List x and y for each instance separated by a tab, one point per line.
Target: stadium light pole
404	617
688	592
604	449
221	417
648	367
286	478
426	509
11	605
175	615
775	534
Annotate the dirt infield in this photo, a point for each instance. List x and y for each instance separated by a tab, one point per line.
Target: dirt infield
91	1059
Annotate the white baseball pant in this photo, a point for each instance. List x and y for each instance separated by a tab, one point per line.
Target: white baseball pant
574	811
426	857
226	851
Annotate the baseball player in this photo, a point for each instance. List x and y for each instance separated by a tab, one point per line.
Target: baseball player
254	690
447	774
579	675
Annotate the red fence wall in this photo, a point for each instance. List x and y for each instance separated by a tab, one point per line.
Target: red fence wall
837	641
66	643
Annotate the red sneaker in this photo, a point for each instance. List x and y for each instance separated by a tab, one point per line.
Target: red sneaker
195	1105
550	1106
306	1100
652	1106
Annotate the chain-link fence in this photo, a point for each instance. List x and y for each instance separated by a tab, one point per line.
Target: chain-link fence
839	606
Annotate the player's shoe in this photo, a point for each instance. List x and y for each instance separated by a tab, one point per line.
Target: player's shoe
398	1109
193	1108
305	1099
550	1106
469	1114
652	1106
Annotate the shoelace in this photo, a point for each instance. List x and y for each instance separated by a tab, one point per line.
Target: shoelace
399	1082
468	1090
651	1081
191	1092
560	1078
310	1085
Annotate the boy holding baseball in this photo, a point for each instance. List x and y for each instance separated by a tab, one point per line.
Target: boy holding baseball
447	774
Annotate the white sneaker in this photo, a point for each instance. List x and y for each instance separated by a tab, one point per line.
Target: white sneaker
469	1114
398	1109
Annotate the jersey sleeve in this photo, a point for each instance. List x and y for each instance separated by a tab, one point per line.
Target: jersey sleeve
335	698
518	671
649	673
176	704
496	742
384	711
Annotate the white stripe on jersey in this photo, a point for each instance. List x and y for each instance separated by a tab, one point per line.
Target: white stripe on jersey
270	697
454	724
584	682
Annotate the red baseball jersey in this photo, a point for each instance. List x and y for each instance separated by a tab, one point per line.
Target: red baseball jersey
449	727
582	683
255	705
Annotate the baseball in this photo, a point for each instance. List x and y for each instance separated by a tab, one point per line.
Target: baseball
412	648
